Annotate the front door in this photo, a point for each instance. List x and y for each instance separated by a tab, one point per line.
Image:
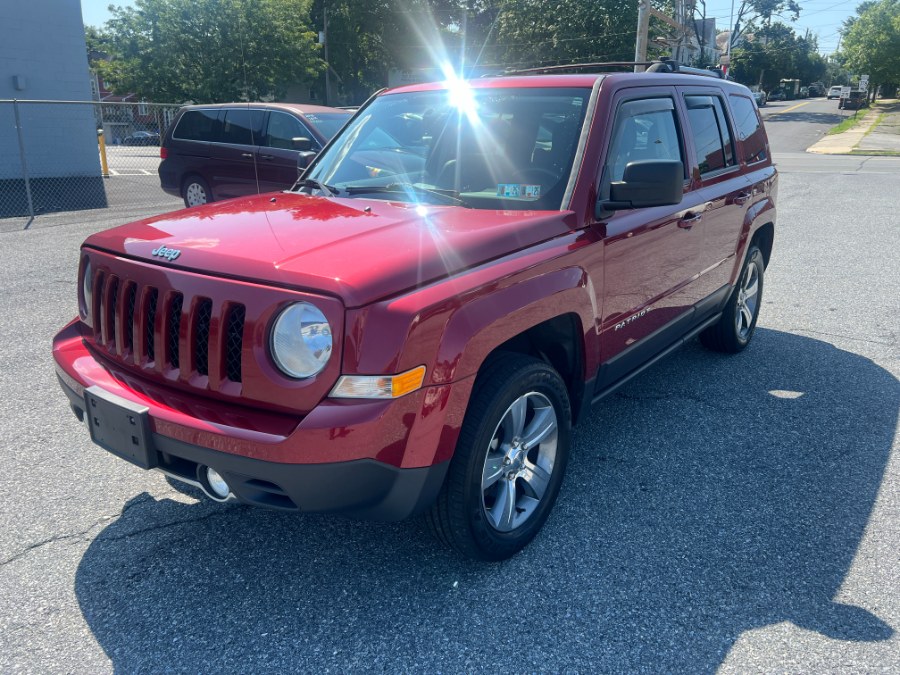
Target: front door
277	157
651	255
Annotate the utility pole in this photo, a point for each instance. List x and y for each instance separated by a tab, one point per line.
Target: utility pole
325	43
643	29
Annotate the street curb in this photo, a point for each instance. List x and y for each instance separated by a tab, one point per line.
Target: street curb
845	143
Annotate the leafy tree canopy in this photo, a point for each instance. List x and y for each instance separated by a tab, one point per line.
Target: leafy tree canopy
871	43
775	52
209	50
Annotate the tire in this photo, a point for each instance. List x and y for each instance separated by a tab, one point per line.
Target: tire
732	333
498	492
195	191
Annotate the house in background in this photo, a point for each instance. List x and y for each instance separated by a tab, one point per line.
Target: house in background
121	115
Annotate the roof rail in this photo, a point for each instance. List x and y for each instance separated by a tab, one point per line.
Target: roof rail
575	66
662	65
665	65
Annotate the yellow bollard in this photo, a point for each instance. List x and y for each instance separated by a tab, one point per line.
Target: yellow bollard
104	167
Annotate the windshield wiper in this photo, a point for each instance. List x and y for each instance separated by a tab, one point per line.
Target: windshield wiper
312	183
449	196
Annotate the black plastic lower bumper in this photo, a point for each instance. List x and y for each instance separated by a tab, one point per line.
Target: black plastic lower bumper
362	488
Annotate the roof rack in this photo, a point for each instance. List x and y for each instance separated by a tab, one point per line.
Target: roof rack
662	65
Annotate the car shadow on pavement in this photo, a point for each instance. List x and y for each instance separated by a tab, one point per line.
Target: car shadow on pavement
710	497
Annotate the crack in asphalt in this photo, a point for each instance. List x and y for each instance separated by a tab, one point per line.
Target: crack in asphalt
892	343
106	519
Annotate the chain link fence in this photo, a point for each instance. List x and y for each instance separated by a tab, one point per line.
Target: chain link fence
63	156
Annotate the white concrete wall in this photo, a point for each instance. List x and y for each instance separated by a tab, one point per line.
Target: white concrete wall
42	42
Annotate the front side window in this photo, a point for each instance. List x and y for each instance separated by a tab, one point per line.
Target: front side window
493	148
327	124
644	130
712	138
282	129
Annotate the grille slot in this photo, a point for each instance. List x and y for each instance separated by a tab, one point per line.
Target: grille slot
113	295
234	342
174	328
149	332
201	337
131	300
96	310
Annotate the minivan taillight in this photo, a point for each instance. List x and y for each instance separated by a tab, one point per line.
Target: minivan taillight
163	152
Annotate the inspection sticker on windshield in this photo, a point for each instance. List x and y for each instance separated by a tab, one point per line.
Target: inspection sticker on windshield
518	191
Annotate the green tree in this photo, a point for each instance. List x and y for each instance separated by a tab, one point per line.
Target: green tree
750	12
366	38
210	50
871	42
537	32
774	52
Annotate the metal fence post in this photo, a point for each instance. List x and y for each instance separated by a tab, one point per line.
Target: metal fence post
23	160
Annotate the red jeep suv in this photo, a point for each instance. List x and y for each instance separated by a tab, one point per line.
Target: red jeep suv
416	327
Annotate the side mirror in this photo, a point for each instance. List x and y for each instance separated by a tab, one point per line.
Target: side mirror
301	143
654	182
303	160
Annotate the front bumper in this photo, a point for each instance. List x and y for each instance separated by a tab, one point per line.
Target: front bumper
363	488
369	459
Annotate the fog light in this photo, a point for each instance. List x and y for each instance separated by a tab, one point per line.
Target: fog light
216	483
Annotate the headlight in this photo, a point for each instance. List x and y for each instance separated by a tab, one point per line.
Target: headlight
87	295
301	340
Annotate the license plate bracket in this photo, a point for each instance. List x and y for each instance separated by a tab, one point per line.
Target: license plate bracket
120	427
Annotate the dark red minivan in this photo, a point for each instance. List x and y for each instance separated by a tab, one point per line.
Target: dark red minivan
213	152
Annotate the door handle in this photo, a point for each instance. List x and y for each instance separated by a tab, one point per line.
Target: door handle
247	155
689	220
742	198
267	157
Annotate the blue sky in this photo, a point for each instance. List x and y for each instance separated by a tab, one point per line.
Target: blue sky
821	17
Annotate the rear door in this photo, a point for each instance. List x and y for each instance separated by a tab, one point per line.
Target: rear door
651	255
721	183
277	159
233	157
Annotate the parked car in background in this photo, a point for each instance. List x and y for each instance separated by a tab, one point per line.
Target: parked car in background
834	92
141	138
804	92
213	152
858	98
817	89
760	97
778	95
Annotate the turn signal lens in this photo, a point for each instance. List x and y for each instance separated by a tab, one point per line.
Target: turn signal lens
379	386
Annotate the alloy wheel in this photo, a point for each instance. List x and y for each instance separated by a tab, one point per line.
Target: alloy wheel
519	462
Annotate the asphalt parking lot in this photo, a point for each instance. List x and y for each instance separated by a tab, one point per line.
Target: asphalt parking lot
734	514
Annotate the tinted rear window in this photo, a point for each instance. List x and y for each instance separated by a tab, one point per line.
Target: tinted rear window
327	124
197	125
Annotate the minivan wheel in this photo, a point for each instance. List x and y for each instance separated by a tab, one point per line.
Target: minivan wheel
733	331
509	461
195	191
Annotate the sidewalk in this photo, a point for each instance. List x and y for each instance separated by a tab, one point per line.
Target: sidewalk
877	134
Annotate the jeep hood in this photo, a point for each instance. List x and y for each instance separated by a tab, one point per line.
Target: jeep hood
360	250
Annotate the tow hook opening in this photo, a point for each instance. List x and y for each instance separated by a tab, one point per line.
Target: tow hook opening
213	484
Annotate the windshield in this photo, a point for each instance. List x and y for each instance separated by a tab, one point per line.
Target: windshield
506	149
327	124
